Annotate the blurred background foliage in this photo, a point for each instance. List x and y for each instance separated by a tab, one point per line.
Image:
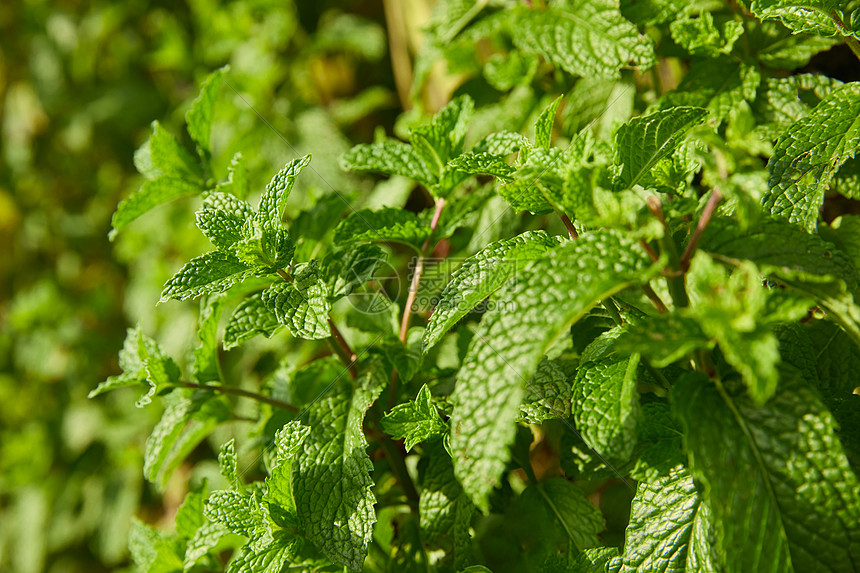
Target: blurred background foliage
80	82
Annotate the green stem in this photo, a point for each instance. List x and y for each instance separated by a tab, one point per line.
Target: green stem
846	33
675	276
243	393
610	307
342	349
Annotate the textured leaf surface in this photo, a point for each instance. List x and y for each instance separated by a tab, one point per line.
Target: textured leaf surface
605	405
391	157
199	117
251	317
274	199
301	305
643	141
151	550
545	121
480	276
664	339
567	507
811	17
584	38
776	480
211	272
669	529
150	195
798	259
347	270
240	513
547	297
331	481
808	155
414	421
383	225
223	229
547	395
188	418
445	511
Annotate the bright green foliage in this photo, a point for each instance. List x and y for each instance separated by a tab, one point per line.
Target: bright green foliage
746	458
301	305
809	153
480	276
606	405
645	140
508	345
669	527
331	481
385	225
547	395
584	39
815	17
142	361
250	318
415	421
587	320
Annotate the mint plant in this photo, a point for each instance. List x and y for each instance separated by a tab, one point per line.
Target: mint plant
666	377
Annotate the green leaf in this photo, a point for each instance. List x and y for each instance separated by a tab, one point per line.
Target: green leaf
811	16
774	477
237	179
442	139
274	199
807	156
470	164
142	362
700	35
732	311
664	339
720	85
414	421
265	555
240	513
545	121
796	259
352	267
547	395
301	305
391	157
643	141
383	225
445	512
199	117
151	194
229	464
480	276
206	366
605	405
501	143
589	39
331	481
222	228
549	296
204	539
670	527
188	418
250	318
163	156
566	507
279	489
151	550
211	272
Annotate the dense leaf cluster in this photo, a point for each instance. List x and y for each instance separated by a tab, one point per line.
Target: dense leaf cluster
653	369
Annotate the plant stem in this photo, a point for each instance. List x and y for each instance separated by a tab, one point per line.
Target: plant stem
610	307
846	33
243	393
419	269
283	274
654	298
569	225
710	207
344	352
675	277
413	291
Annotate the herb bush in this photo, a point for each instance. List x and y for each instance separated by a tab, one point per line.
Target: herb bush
590	318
